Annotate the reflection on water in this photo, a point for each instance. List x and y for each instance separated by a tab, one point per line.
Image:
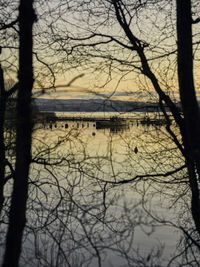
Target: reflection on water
98	196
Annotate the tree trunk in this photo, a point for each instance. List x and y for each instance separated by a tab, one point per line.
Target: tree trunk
2	143
17	217
189	102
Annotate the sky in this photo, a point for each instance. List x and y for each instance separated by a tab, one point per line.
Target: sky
105	76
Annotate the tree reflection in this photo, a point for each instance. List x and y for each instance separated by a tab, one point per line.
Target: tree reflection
106	206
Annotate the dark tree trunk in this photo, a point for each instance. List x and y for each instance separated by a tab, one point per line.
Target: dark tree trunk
189	102
2	144
17	217
185	75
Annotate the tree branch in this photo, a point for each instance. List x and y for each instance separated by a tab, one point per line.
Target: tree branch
195	21
4	26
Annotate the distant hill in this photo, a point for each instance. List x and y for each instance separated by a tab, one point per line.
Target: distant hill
91	105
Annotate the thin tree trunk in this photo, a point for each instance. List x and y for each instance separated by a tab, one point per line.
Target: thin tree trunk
17	217
2	143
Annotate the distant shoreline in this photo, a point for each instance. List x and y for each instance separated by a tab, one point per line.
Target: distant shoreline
91	105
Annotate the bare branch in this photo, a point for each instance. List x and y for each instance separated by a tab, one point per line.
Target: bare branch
12	90
196	21
4	26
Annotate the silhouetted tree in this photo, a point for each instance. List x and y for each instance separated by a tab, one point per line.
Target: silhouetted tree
191	134
4	95
129	48
2	144
125	49
17	217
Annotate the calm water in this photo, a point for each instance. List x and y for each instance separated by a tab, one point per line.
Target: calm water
97	196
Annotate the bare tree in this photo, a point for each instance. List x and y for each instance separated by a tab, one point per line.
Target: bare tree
121	38
17	216
191	135
111	38
6	24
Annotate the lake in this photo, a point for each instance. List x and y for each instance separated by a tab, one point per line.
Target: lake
99	194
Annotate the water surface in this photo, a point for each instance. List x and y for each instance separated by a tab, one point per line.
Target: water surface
99	196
